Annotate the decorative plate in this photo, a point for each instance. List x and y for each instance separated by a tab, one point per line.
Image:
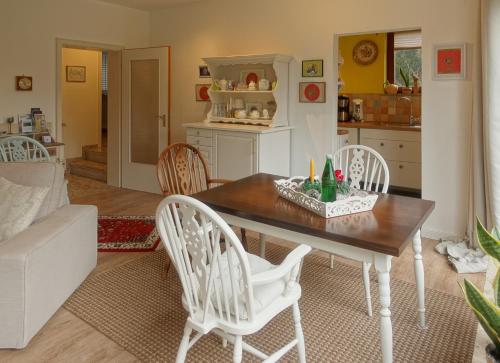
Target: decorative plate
365	52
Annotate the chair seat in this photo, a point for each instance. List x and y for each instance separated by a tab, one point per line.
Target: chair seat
263	295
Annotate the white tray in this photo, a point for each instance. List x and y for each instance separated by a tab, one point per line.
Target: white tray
355	202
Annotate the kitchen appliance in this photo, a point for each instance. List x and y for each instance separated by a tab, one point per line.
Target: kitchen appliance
357	109
343	109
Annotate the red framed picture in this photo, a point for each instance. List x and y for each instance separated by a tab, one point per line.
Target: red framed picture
312	92
202	92
450	62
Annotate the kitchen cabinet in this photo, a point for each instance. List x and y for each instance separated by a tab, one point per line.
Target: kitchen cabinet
237	151
350	139
401	150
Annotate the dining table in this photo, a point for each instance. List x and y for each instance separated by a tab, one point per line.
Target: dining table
374	236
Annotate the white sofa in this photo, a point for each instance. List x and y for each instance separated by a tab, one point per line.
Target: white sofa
42	266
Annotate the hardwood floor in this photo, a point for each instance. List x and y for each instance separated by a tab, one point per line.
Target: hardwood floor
66	338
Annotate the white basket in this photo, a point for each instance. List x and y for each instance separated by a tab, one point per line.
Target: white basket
355	201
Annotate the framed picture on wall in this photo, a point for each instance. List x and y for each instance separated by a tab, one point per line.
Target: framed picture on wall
450	62
202	92
312	92
312	68
203	71
75	73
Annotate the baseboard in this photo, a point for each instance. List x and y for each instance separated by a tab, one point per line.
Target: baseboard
437	234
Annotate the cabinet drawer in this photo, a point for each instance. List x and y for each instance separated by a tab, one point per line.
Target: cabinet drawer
206	152
199	132
390	135
199	141
404	174
395	150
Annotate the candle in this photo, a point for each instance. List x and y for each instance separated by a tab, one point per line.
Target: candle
311	171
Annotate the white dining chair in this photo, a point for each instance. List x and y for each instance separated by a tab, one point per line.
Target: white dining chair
364	169
22	148
226	290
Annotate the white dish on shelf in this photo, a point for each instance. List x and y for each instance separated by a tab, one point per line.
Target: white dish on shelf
355	202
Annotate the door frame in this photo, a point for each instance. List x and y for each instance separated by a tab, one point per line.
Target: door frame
115	167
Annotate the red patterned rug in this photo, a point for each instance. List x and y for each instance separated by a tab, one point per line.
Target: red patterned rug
127	234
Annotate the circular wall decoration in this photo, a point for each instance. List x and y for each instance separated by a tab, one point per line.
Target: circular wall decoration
251	77
204	93
365	52
312	92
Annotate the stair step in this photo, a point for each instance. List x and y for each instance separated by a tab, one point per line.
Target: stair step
88	169
94	153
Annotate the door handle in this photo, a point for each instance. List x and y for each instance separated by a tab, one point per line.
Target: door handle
163	119
64	124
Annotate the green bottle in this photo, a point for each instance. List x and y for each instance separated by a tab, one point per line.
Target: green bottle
328	182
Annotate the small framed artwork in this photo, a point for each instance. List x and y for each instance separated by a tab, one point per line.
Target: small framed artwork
312	92
312	68
46	139
203	71
250	75
75	73
449	62
24	83
202	92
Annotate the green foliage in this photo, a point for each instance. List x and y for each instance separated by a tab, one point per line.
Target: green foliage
405	76
487	312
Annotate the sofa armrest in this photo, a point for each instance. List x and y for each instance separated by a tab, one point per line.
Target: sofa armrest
41	267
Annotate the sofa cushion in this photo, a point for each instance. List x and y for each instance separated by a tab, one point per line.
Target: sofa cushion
19	204
39	174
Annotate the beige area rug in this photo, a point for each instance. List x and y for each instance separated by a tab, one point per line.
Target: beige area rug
133	306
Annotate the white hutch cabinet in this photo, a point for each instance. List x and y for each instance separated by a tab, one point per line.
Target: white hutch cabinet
238	147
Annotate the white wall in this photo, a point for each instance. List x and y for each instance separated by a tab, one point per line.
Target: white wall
306	30
28	32
81	101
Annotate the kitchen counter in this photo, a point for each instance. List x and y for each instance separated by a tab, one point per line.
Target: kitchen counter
380	126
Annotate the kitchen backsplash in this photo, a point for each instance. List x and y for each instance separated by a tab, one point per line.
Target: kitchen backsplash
387	108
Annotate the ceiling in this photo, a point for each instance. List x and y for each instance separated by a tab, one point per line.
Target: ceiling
148	4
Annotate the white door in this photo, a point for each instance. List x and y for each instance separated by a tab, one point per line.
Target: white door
145	77
236	155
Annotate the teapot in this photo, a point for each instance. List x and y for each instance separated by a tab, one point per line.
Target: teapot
240	114
254	115
263	84
265	113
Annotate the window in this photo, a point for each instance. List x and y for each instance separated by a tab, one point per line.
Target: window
404	52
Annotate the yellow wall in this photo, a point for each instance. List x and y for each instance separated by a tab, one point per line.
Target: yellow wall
81	101
359	78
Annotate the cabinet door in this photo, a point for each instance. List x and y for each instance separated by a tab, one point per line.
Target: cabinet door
235	155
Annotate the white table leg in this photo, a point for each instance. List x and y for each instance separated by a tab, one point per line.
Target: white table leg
383	268
419	276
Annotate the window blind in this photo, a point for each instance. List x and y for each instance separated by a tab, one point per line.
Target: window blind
408	40
104	77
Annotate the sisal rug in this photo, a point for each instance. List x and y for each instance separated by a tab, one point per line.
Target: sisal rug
142	312
127	234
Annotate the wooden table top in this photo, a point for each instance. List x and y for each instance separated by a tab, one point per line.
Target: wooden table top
388	228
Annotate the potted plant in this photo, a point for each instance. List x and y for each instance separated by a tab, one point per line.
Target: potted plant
406	79
390	88
486	311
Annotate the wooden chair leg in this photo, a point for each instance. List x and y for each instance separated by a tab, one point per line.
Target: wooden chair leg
299	335
238	349
164	271
184	346
244	239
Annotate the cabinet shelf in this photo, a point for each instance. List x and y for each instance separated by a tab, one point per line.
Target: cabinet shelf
242	91
246	121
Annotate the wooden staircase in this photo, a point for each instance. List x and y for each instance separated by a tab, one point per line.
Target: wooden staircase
92	164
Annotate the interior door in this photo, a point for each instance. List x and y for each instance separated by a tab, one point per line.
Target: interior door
145	79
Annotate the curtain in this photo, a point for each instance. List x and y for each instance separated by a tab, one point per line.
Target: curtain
484	143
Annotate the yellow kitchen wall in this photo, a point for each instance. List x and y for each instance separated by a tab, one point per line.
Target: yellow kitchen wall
359	78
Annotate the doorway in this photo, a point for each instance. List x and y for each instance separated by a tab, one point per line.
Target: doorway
379	101
84	111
